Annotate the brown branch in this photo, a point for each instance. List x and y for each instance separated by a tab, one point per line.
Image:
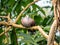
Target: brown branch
55	12
52	33
20	26
3	16
16	25
54	2
3	22
9	20
42	32
55	23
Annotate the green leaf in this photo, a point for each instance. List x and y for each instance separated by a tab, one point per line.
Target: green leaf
40	9
13	37
38	19
47	21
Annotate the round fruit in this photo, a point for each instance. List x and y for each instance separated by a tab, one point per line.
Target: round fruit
27	21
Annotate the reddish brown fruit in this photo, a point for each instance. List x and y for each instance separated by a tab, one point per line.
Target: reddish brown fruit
27	21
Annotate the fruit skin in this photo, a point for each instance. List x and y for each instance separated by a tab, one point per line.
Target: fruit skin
27	21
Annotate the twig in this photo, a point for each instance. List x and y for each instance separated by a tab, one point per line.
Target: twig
52	33
3	23
55	12
45	35
8	17
5	31
3	16
42	32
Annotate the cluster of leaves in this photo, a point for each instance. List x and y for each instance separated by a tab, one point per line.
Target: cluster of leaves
14	7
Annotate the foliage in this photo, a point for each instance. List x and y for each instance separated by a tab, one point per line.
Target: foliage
14	7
